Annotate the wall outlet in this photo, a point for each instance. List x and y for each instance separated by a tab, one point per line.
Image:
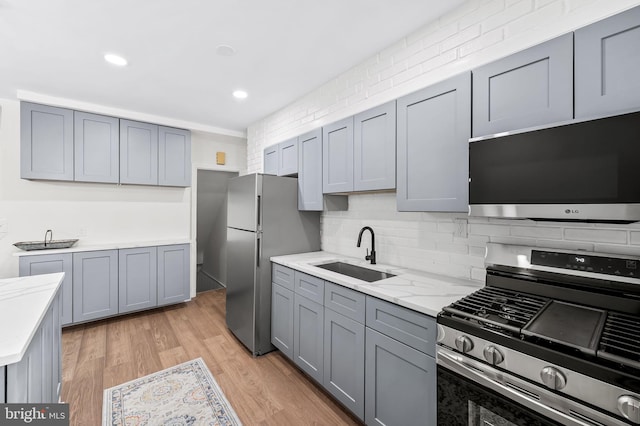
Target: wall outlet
461	228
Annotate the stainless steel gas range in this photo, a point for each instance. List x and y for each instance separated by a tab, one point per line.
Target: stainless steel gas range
552	339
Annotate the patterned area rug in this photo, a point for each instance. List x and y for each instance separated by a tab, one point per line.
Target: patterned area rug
186	394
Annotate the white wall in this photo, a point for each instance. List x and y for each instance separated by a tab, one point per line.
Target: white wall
94	213
476	33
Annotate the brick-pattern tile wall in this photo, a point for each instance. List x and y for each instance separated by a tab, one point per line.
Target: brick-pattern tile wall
478	32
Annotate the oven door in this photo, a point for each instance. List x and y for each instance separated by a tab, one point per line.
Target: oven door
471	393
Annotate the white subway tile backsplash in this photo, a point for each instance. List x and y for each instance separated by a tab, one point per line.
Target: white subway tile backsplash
511	13
537	232
596	235
461	37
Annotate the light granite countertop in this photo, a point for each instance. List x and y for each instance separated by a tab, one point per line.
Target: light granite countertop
78	247
24	302
420	291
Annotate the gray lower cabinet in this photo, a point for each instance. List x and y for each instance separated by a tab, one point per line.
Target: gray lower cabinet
337	156
96	148
401	383
137	279
95	284
174	157
46	142
138	153
49	264
434	126
37	376
270	160
282	301
308	330
529	88
310	171
344	357
607	80
374	148
173	274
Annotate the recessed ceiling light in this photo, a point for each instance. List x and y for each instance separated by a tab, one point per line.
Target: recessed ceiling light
240	94
225	50
115	59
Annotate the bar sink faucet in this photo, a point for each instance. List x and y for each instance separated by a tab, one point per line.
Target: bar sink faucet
372	256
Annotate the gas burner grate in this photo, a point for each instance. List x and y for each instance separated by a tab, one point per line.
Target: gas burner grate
498	307
620	339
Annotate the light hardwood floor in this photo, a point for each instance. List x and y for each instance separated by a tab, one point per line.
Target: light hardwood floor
267	390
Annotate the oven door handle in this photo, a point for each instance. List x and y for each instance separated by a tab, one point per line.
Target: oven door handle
520	391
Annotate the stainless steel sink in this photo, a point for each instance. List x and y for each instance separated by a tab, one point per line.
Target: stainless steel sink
41	245
364	274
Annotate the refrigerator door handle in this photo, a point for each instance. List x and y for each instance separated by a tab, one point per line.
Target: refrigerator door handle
258	247
258	212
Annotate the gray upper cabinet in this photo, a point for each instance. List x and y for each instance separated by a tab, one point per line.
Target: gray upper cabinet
607	74
95	284
288	157
173	274
337	157
374	148
49	264
138	153
310	171
271	160
46	142
174	157
434	126
137	279
529	88
97	147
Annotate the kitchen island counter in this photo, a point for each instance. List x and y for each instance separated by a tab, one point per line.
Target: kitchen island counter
420	291
24	303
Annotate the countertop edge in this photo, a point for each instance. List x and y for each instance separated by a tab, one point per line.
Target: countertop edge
13	358
105	246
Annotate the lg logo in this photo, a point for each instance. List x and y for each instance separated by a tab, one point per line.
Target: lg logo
572	211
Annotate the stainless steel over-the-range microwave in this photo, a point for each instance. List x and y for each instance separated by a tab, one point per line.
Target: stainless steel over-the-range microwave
585	171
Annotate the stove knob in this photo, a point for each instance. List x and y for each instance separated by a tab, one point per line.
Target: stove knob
629	406
493	355
464	344
553	378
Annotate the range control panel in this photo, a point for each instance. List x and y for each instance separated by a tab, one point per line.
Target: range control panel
584	262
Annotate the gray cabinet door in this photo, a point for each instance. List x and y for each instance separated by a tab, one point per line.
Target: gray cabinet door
309	286
95	285
270	160
56	351
138	153
97	148
344	360
173	274
374	148
529	88
24	378
46	142
434	125
49	264
337	156
345	301
282	275
282	319
401	383
3	374
46	383
310	171
308	326
174	157
288	157
137	279
607	77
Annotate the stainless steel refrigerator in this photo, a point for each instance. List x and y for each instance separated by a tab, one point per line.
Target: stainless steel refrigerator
263	221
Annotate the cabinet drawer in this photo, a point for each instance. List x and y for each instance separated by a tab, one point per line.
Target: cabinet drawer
345	301
411	328
282	275
310	287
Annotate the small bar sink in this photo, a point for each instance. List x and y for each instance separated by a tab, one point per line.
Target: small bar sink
364	274
41	245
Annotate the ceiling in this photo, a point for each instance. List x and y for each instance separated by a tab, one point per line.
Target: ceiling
283	49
